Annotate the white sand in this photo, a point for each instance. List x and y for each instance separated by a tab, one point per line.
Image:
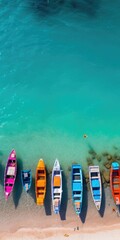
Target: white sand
29	222
60	234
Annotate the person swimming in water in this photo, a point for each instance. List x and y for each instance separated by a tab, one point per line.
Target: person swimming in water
85	135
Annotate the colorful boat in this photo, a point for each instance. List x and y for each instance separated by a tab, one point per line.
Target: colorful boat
26	178
77	187
115	182
10	174
40	182
95	185
56	187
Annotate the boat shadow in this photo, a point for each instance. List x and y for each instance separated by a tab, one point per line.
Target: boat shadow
31	192
85	201
64	200
1	153
17	191
91	149
47	202
2	168
103	202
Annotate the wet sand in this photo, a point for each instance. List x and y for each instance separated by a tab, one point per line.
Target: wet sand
25	220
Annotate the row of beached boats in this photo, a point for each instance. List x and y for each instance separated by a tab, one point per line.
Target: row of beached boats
56	183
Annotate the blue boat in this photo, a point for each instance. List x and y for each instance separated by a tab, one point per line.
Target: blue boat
95	185
26	177
77	187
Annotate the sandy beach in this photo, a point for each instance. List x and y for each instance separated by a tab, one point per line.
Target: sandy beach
29	221
49	234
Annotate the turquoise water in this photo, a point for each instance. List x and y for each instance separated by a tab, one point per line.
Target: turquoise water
59	79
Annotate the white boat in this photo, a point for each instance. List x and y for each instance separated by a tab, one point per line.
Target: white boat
95	185
56	187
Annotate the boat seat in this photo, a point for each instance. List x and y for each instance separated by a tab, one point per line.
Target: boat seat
116	190
40	177
95	183
96	192
97	197
115	182
76	195
77	186
10	176
76	170
41	171
9	184
76	177
40	183
56	181
40	193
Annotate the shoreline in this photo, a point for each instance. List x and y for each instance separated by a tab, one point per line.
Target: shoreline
61	233
31	222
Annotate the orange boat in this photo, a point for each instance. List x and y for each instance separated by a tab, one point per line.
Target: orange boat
40	182
115	182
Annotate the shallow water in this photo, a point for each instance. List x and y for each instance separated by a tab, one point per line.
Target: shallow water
59	79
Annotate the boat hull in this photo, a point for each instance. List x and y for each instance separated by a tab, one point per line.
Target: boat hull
40	182
77	187
10	174
26	178
95	185
115	182
56	187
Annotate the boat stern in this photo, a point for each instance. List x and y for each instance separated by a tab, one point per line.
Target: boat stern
77	206
56	206
6	195
40	201
98	205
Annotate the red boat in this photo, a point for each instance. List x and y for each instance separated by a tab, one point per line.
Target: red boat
115	182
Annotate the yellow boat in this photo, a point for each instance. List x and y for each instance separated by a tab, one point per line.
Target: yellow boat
40	182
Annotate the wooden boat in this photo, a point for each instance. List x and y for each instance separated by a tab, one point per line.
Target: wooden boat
10	174
40	182
95	185
26	178
115	182
56	187
77	187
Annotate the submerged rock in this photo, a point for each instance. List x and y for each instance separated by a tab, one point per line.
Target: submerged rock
89	162
116	157
105	154
98	157
109	157
92	152
107	165
69	168
106	176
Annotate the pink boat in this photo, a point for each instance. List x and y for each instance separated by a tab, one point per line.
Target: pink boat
10	174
